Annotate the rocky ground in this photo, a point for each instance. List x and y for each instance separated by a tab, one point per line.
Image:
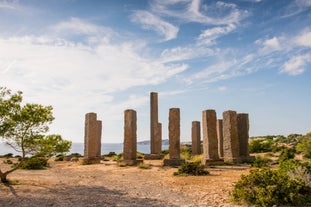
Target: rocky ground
107	184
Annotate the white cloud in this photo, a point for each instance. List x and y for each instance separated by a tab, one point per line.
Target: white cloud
304	39
303	3
208	36
195	11
184	53
222	88
152	22
270	45
296	65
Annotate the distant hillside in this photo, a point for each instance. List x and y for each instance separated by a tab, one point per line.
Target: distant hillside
147	142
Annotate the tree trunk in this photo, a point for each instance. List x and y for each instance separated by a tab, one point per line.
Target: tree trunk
3	177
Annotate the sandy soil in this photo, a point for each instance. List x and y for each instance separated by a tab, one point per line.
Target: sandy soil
106	184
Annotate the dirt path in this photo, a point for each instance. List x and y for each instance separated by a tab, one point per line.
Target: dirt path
106	184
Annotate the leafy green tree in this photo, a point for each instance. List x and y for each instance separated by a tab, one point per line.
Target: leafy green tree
22	128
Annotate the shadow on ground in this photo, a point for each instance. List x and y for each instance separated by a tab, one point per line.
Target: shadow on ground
67	196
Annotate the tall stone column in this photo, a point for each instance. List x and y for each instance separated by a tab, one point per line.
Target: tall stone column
196	138
174	138
155	130
220	138
210	142
243	134
155	139
98	138
231	139
130	137
92	139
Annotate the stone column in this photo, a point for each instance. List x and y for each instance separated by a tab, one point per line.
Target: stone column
155	139
98	139
155	130
231	140
210	142
92	138
220	138
174	138
243	129
196	138
130	137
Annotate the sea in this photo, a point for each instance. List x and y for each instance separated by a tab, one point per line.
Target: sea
79	148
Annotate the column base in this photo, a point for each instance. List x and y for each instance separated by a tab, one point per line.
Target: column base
212	161
153	156
173	162
131	162
233	160
90	161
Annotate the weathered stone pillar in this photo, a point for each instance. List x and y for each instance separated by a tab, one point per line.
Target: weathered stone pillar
243	129
155	130
231	140
155	141
196	138
220	138
210	142
92	139
98	140
130	137
174	138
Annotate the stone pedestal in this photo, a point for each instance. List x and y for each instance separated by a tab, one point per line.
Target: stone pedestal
130	137
210	141
230	135
220	138
174	138
196	138
92	139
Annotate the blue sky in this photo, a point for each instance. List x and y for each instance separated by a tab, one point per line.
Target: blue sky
252	56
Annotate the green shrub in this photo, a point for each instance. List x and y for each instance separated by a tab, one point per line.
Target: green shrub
144	166
286	154
140	155
191	168
59	158
266	187
34	163
185	152
165	152
260	162
261	145
110	154
305	147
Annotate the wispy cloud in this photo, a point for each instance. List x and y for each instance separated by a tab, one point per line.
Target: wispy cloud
196	11
304	39
152	22
296	65
185	53
209	36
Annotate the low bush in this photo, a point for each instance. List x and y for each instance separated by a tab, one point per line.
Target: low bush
144	166
286	154
266	187
34	163
185	152
260	162
191	168
110	154
261	145
59	158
